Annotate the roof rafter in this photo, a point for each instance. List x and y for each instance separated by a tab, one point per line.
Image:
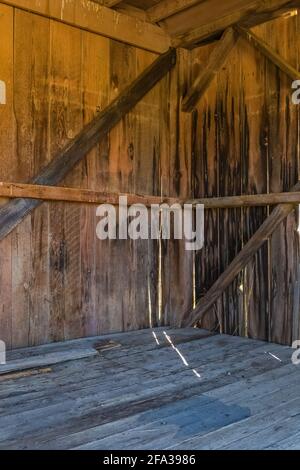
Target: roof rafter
108	3
249	14
167	8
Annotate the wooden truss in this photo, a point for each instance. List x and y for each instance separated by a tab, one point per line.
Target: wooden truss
219	57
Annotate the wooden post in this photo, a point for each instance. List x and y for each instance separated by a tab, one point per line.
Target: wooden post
239	263
14	212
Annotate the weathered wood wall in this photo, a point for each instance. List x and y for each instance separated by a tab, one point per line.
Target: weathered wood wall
57	280
246	141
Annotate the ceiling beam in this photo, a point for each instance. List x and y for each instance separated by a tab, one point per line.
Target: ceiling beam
108	3
111	3
99	19
249	14
270	53
132	11
167	8
216	60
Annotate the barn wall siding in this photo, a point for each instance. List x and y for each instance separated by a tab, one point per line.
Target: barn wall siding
247	142
57	280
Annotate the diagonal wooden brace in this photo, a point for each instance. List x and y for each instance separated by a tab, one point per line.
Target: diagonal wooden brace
269	53
240	262
216	61
14	212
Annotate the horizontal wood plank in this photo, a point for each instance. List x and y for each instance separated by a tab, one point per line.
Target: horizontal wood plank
87	196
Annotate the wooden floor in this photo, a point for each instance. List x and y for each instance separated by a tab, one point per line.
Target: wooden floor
153	389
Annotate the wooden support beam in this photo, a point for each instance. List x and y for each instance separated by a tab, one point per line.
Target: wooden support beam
91	16
167	8
272	55
240	262
249	13
108	3
87	196
12	213
216	61
111	3
252	200
130	10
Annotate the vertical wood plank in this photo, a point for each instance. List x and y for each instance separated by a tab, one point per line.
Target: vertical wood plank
22	237
95	73
147	155
282	142
296	306
103	180
181	261
38	67
163	287
254	149
116	294
71	58
228	144
58	138
206	184
7	149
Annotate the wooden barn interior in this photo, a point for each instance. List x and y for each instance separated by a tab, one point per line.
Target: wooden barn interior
138	344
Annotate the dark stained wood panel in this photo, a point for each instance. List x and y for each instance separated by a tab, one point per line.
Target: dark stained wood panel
205	171
257	153
228	142
180	267
254	119
283	141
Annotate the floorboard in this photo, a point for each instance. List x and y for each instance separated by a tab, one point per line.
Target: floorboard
152	389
